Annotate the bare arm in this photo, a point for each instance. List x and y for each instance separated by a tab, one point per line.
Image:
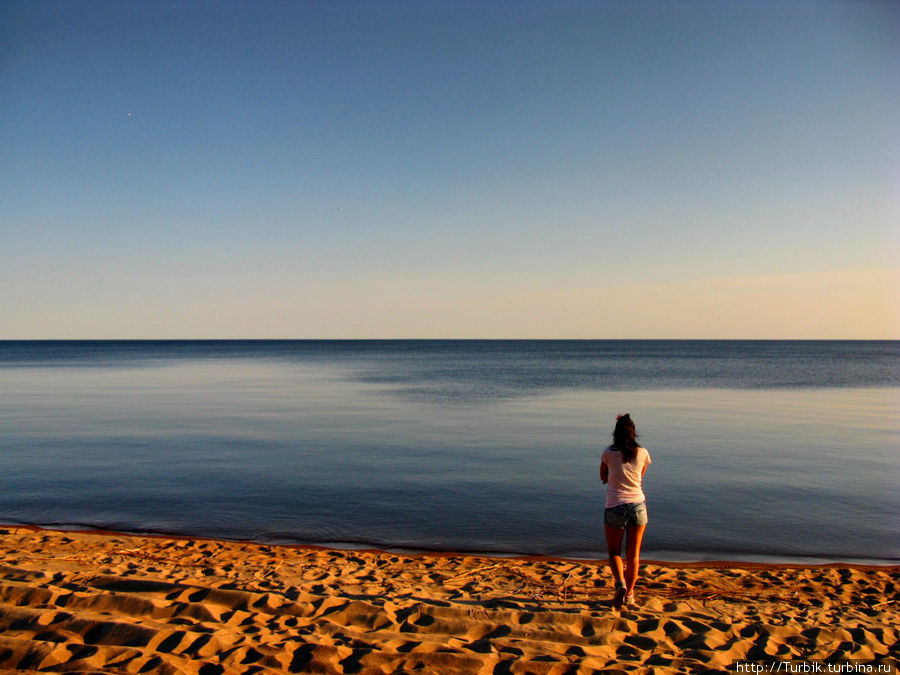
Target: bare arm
604	472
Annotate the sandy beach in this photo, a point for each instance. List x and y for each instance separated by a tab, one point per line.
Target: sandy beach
115	603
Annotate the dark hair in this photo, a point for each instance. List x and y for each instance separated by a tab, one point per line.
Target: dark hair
624	437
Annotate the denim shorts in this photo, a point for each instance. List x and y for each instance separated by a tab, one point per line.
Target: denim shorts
626	515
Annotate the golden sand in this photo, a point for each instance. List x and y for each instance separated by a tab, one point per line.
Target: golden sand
114	603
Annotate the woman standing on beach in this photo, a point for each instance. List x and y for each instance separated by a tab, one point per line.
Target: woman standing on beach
622	466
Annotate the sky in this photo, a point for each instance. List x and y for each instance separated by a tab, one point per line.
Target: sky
449	169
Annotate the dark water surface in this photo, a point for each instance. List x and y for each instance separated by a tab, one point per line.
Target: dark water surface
761	450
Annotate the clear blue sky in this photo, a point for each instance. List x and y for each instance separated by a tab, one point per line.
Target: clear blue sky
449	169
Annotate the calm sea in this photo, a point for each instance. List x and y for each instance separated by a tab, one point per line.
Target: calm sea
761	450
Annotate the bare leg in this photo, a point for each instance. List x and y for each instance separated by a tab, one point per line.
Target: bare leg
614	537
633	555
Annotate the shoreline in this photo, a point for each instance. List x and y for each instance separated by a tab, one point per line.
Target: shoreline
763	561
78	601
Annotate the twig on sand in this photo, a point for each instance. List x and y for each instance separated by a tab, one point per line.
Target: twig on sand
563	591
479	612
271	570
473	571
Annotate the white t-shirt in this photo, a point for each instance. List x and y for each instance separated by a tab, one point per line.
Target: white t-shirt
624	485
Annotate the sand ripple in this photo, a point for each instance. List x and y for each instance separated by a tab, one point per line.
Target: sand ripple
91	602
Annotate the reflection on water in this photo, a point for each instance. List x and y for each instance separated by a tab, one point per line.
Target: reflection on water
338	450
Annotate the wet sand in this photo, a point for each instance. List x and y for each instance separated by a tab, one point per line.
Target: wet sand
115	603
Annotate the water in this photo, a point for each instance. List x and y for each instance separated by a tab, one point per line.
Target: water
761	450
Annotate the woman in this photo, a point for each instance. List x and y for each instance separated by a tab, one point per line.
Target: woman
622	466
